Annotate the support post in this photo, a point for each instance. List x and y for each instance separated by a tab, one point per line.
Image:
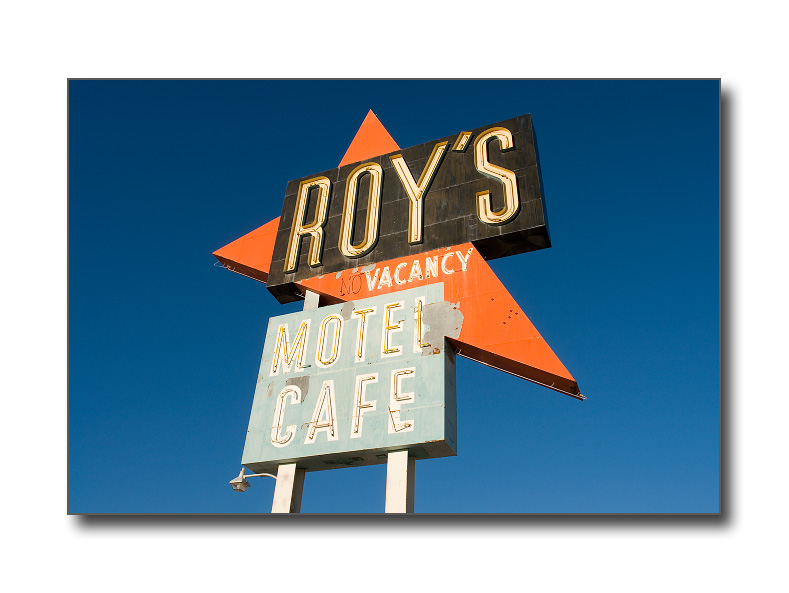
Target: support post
289	488
400	482
290	479
311	300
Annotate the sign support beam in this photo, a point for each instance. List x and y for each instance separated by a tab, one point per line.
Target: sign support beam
290	479
289	488
400	482
311	300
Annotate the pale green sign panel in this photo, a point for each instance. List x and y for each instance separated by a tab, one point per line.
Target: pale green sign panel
342	385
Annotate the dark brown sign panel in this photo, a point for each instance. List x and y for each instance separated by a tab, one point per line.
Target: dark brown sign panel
481	185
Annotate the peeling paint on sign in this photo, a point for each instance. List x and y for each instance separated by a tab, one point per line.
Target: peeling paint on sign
442	319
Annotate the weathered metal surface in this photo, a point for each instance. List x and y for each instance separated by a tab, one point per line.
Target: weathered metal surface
380	386
451	210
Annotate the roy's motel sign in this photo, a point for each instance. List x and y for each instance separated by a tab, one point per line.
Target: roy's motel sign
481	186
397	244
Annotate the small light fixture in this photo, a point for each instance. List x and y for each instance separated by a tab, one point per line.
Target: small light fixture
240	482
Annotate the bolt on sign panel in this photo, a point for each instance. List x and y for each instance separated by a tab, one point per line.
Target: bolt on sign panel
344	384
481	185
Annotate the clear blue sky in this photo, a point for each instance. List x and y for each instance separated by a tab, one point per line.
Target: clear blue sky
164	348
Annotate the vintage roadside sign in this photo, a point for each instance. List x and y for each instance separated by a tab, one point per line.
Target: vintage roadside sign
394	243
343	385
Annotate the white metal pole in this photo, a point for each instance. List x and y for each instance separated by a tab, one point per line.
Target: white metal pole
311	300
290	479
400	482
289	488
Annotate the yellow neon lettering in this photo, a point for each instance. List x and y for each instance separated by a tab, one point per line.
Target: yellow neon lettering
416	189
462	141
315	229
323	417
337	320
277	438
360	405
295	352
507	178
418	334
388	328
362	335
398	398
376	173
